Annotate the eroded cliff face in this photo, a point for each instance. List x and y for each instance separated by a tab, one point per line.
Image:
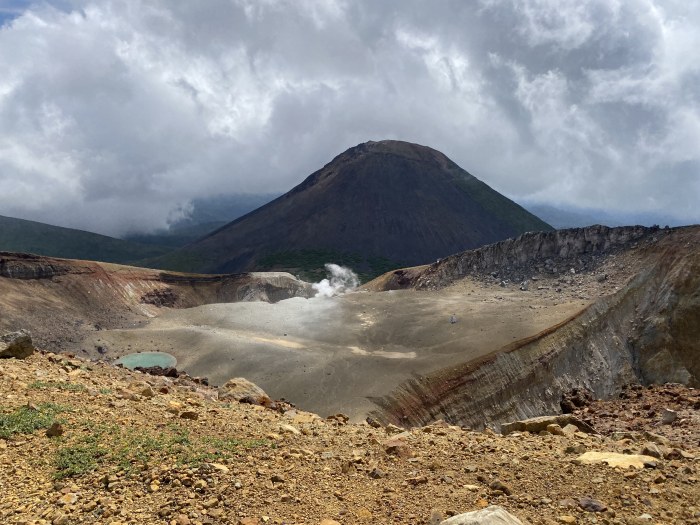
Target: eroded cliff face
58	299
666	339
516	259
647	332
27	266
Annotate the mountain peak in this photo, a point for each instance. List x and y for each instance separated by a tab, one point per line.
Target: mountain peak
392	200
399	148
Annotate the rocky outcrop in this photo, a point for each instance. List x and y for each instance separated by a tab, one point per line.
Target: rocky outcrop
666	335
614	459
272	287
269	287
16	344
160	297
646	332
493	515
539	424
515	259
27	266
242	390
260	286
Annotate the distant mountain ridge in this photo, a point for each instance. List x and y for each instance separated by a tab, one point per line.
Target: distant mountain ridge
390	201
571	217
20	235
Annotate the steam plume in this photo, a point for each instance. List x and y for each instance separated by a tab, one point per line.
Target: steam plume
341	280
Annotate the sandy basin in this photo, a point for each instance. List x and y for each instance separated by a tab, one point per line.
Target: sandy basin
332	355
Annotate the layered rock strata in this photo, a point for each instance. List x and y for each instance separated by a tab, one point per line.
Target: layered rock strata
647	332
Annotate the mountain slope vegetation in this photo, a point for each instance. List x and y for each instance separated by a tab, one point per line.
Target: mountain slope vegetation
20	235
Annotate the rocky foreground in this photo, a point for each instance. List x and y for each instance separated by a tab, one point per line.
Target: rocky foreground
89	443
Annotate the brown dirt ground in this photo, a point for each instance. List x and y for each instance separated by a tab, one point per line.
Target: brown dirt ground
152	466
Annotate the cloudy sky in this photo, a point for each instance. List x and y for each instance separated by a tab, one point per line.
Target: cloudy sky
115	113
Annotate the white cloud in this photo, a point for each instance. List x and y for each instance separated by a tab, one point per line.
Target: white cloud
114	114
565	23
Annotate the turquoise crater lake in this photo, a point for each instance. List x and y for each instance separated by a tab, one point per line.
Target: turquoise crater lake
147	359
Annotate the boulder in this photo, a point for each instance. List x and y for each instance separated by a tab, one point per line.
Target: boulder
16	344
54	430
615	459
536	425
169	371
556	429
592	505
396	446
574	399
652	449
239	388
493	515
668	416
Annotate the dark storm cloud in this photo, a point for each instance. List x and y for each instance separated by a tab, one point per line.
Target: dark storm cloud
114	114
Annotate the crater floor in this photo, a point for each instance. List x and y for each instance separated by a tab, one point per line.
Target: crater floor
332	355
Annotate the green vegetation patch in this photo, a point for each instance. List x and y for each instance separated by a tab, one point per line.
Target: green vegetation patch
18	235
122	449
500	206
57	385
176	261
211	449
77	459
25	420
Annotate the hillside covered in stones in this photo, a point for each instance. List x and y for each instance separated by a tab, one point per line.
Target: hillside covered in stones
89	443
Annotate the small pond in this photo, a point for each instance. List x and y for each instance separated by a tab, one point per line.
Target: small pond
146	359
